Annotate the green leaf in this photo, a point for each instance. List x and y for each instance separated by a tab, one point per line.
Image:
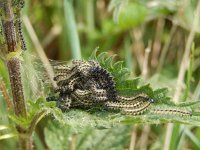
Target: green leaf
192	137
57	138
63	137
132	15
35	108
101	119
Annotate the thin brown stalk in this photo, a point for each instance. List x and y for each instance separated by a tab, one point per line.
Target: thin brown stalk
35	121
166	48
144	137
138	46
39	49
54	32
73	142
6	95
168	136
133	138
145	68
157	42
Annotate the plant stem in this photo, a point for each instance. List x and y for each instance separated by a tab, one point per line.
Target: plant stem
145	69
157	42
39	50
165	48
138	46
14	64
5	95
144	137
73	142
35	120
71	29
132	144
90	15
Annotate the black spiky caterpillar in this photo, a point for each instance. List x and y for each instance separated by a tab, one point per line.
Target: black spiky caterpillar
105	80
86	84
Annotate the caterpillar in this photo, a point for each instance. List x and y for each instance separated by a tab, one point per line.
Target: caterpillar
64	103
105	80
141	97
137	111
135	106
61	70
172	111
20	34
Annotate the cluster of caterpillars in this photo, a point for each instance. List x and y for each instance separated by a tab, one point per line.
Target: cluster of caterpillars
86	84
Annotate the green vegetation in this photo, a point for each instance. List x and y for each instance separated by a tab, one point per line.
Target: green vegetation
149	47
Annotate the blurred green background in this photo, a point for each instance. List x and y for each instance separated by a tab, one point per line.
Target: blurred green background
150	36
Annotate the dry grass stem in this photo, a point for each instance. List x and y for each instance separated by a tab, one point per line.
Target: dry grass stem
166	48
133	138
145	62
144	137
39	49
157	43
6	95
54	32
138	46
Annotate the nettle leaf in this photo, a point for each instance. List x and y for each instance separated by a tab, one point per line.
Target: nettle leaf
62	137
57	136
161	111
36	111
132	15
169	112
